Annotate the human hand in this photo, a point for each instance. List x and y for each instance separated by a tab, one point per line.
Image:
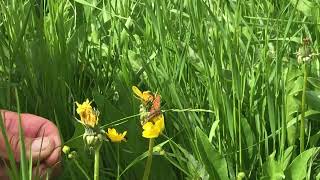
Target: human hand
41	138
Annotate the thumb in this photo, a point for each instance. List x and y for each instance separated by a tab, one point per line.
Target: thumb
37	148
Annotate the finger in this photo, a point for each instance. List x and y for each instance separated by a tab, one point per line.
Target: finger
3	170
36	127
3	174
37	131
51	131
42	170
39	171
55	156
31	124
39	148
47	129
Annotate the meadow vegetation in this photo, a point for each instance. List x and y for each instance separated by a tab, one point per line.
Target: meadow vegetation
239	82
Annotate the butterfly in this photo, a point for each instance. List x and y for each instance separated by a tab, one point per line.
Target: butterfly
151	104
155	107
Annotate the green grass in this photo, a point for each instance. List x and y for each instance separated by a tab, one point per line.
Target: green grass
231	64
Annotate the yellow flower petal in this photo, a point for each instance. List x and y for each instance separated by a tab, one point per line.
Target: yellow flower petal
147	126
147	96
160	122
152	133
87	115
114	136
151	130
112	131
137	91
144	96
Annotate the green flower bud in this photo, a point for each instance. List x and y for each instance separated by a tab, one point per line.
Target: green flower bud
66	149
162	152
90	140
241	175
100	137
157	148
72	155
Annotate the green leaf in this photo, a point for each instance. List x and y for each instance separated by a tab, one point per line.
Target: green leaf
311	114
298	168
285	159
272	169
313	99
314	139
213	129
215	163
314	82
304	6
248	136
83	2
195	168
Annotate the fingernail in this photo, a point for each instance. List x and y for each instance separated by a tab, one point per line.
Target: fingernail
40	144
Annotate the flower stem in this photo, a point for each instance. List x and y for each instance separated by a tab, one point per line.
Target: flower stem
96	162
149	160
118	162
303	108
81	169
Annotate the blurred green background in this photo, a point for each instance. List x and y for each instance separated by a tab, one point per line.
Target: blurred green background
231	64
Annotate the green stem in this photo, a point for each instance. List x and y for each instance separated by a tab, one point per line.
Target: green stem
149	160
239	134
23	158
81	169
96	162
303	109
118	169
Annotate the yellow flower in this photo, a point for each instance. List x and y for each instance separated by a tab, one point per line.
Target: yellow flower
88	116
159	121
154	127
114	136
145	96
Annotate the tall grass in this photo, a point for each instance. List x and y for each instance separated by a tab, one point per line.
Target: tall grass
234	60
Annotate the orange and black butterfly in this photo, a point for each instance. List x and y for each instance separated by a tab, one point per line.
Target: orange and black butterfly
155	107
150	101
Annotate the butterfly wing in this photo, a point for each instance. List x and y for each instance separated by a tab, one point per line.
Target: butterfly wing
155	108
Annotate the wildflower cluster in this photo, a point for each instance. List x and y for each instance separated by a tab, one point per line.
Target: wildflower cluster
305	52
151	117
70	154
93	135
152	121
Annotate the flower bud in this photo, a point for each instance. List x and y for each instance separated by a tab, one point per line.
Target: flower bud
72	155
90	140
99	137
162	152
66	149
157	148
115	97
241	175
